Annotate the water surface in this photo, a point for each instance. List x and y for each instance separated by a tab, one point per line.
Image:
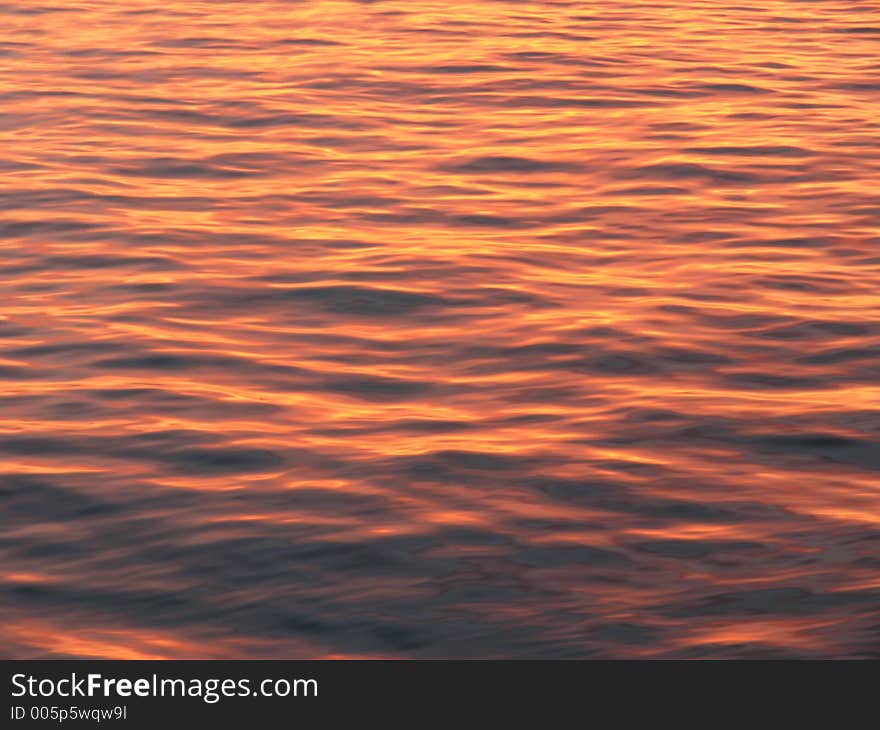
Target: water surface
410	328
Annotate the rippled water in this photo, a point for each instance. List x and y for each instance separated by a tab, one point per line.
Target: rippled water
410	328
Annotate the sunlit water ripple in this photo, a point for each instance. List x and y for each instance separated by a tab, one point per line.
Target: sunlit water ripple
410	328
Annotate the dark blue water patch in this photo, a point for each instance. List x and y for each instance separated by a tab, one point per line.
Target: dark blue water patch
282	119
691	171
90	262
561	555
217	461
319	340
666	92
150	608
19	372
432	216
214	43
794	282
547	102
626	633
70	410
698	549
618	363
7	9
183	451
484	220
778	601
236	561
566	59
478	460
190	116
865	421
431	426
733	88
869	86
457	68
637	500
362	142
401	426
842	354
148	362
14	48
29	499
313	500
523	165
198	607
292	376
470	537
472	591
690	358
498	297
862	453
700	237
59	551
647	190
25	229
14	166
215	581
399	556
364	301
548	526
159	75
404	269
818	329
572	490
554	356
10	329
179	168
108	54
671	509
53	198
333	200
375	387
770	381
525	419
545	394
457	466
858	30
795	243
753	151
140	290
158	401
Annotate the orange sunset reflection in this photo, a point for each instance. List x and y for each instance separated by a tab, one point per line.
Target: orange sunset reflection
418	329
